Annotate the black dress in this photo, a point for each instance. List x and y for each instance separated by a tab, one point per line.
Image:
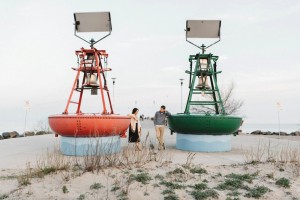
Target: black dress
134	135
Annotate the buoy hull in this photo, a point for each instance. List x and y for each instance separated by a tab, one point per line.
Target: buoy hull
204	133
204	124
88	125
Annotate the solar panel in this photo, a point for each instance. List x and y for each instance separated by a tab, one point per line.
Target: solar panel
203	28
93	22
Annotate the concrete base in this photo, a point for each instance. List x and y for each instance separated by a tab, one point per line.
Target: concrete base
79	146
203	143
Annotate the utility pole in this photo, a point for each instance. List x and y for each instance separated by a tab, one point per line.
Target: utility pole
181	83
27	107
279	108
114	81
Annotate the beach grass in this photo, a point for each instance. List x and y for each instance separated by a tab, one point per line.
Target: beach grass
151	172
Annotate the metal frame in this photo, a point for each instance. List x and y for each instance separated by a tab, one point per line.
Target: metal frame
211	73
88	68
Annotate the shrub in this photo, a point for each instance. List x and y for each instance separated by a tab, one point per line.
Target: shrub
81	197
96	186
271	175
3	196
200	186
115	188
234	193
65	189
143	178
200	194
243	177
198	170
171	197
257	192
230	184
171	185
205	181
283	182
168	191
177	171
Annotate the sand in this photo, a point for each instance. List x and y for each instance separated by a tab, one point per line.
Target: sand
269	157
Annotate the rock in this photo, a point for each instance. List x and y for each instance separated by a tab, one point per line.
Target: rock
267	133
29	133
1	138
12	134
296	133
41	133
283	133
257	132
5	135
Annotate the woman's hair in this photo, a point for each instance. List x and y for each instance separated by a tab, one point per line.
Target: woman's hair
134	110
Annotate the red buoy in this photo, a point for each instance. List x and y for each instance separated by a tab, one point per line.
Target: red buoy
90	76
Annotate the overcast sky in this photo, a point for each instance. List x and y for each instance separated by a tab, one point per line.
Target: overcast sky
148	54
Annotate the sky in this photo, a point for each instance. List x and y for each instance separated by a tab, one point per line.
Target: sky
259	52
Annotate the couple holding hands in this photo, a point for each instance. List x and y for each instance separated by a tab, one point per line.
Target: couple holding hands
135	128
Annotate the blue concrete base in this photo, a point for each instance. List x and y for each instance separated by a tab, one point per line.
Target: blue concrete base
79	146
203	143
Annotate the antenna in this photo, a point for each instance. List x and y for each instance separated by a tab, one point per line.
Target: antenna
92	22
203	29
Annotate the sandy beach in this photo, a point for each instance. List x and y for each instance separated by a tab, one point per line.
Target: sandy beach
257	167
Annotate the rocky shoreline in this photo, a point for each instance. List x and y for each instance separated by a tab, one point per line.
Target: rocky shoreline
15	134
259	132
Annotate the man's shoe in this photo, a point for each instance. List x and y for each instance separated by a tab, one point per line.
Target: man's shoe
164	146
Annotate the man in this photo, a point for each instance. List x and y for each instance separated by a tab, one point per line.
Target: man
160	123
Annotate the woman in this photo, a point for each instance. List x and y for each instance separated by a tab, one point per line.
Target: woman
135	129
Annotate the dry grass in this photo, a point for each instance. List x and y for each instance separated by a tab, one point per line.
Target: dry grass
282	157
54	161
25	179
71	166
127	158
